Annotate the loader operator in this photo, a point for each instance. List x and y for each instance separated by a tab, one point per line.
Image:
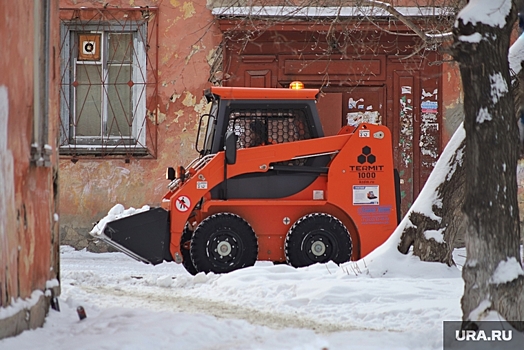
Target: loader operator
258	134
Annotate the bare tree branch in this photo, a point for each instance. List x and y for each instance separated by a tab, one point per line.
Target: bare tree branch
429	38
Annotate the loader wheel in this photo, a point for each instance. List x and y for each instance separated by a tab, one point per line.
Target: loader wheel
185	244
222	243
317	238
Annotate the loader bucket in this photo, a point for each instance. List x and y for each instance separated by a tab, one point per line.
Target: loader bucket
143	236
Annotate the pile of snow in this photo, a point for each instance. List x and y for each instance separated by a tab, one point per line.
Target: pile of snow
387	261
115	213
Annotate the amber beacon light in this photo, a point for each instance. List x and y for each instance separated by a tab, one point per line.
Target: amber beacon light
296	85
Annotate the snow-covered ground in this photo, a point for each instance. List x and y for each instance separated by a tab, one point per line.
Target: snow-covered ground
386	301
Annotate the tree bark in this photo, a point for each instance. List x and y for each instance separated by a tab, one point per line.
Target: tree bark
445	217
491	209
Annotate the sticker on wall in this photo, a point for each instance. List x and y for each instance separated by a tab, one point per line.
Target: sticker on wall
406	90
366	195
426	94
429	126
89	48
406	130
352	104
183	203
356	118
429	106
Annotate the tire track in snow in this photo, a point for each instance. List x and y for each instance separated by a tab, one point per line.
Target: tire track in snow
176	302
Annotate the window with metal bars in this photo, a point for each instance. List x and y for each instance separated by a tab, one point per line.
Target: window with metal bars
104	88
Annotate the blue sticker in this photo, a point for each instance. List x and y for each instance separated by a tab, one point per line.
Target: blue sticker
375	215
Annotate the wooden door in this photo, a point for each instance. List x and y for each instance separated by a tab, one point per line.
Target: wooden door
405	126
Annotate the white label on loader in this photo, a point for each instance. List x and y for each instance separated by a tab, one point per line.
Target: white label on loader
183	203
366	195
201	185
364	133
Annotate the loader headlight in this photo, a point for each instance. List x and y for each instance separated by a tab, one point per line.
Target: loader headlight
170	174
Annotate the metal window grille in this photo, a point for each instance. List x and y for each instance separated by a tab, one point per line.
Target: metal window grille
265	127
108	78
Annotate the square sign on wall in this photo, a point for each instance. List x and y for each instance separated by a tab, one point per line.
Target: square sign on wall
89	48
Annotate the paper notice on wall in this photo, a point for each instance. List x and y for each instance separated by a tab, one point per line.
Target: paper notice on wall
429	107
353	103
356	118
366	195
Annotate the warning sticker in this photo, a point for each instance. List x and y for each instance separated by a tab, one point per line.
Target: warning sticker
183	203
366	195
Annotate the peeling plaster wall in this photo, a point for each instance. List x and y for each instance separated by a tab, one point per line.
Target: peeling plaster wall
90	187
28	193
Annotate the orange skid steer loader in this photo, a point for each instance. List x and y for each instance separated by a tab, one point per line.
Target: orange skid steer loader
268	185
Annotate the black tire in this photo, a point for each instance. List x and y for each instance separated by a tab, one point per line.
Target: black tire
222	243
185	244
317	238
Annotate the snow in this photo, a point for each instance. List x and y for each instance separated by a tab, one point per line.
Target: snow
483	115
516	55
507	271
20	304
473	38
378	303
481	311
498	87
489	12
118	211
437	235
328	11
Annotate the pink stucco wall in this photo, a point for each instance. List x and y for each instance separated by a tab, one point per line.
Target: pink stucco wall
187	40
28	191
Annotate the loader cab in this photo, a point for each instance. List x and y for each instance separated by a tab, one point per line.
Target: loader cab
261	117
258	117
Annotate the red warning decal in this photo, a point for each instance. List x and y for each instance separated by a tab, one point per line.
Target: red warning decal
183	203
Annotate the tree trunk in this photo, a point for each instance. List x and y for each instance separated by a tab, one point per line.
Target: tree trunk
433	231
491	209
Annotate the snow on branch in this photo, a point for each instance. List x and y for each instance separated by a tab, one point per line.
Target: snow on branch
492	13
